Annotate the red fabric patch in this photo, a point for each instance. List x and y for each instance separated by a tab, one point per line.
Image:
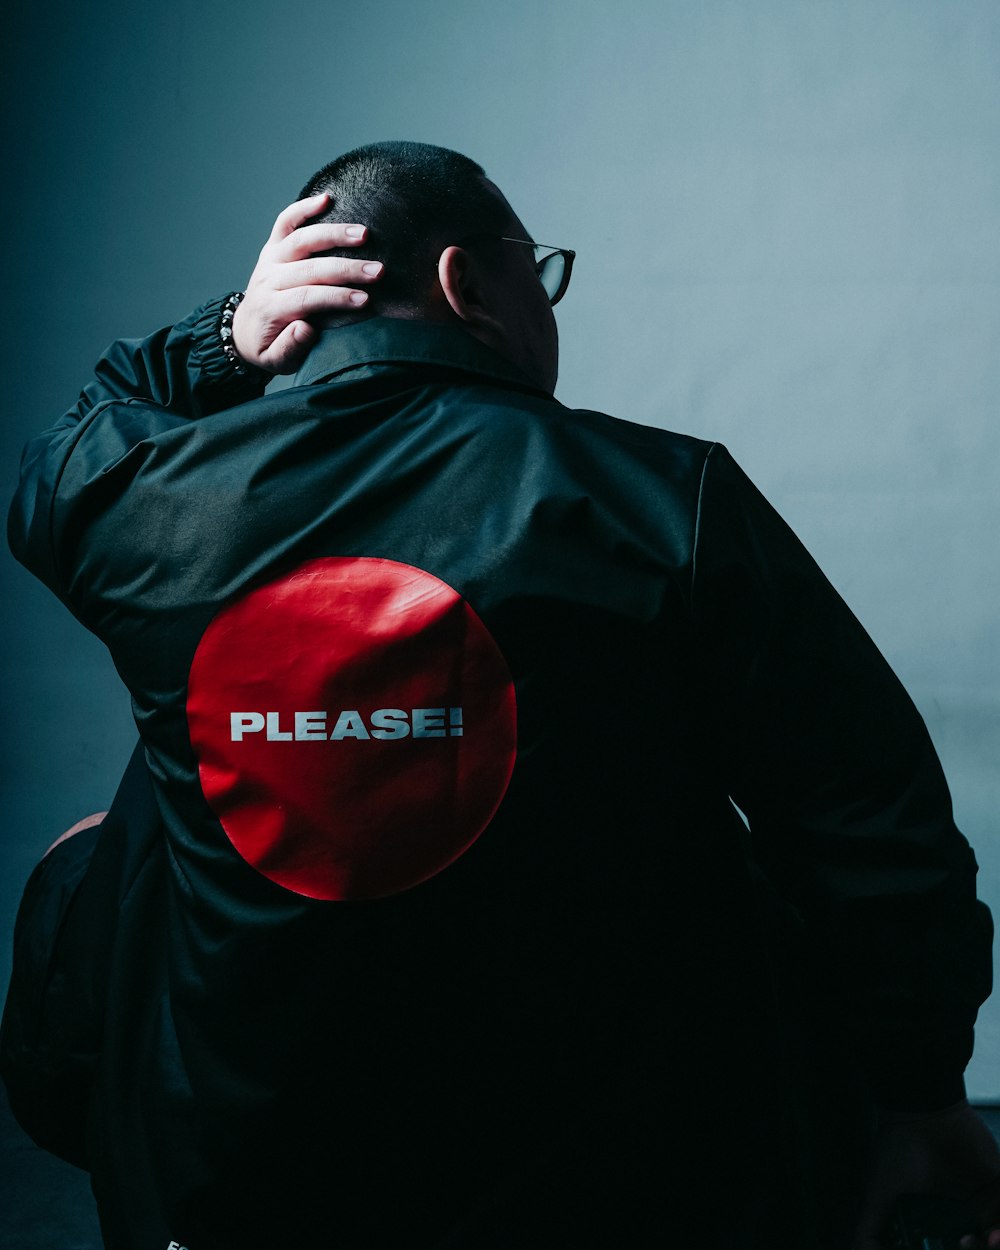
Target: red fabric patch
354	725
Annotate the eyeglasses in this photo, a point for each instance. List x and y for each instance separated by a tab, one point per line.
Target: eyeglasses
552	264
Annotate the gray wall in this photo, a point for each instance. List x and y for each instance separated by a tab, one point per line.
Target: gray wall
787	215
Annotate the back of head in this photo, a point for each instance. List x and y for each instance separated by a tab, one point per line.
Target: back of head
415	199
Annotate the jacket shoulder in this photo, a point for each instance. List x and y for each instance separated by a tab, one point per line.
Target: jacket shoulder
564	427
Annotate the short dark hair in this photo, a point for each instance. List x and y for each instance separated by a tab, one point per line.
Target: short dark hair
415	199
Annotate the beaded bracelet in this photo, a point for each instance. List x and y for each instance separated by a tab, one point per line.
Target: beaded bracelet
226	333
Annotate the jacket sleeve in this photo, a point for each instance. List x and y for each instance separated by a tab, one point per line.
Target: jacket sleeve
140	387
848	809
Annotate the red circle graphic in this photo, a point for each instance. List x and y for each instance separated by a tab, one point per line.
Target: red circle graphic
354	725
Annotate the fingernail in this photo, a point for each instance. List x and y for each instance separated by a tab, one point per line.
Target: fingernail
373	267
358	297
320	195
355	232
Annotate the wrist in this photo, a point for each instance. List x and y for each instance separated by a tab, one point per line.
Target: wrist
892	1116
227	340
218	383
915	1087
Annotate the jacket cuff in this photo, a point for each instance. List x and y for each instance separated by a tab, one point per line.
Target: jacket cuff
899	1094
229	386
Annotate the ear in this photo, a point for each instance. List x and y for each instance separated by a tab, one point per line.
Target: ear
461	283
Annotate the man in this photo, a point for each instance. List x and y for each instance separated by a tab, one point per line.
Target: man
426	917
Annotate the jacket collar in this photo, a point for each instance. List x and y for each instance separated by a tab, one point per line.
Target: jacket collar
392	340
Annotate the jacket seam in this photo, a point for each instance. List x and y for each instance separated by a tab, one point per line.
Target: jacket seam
697	521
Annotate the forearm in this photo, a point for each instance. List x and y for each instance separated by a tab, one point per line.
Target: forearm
849	812
145	387
182	368
140	387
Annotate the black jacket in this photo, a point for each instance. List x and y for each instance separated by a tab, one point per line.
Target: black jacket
513	1002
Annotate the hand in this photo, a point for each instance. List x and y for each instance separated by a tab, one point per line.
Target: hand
290	286
937	1152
